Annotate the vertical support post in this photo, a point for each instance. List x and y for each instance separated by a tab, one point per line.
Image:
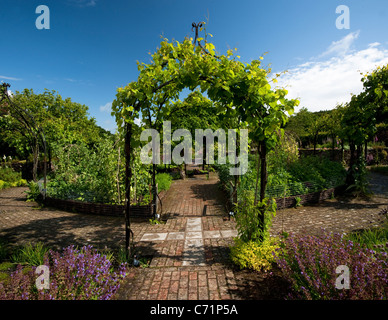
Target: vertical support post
204	153
263	163
128	176
154	195
45	173
156	202
263	185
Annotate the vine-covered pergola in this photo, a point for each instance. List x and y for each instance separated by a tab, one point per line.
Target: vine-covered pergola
237	89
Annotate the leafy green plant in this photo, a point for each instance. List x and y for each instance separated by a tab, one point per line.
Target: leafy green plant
10	178
374	238
144	262
9	175
121	256
33	194
297	202
155	221
254	255
3	184
297	177
248	220
163	180
97	173
30	254
361	183
321	172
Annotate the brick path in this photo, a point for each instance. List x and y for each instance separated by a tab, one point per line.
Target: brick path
191	262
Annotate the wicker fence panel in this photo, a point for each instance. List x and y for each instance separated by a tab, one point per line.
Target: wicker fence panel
98	209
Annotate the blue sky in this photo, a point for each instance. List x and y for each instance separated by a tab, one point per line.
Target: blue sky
92	46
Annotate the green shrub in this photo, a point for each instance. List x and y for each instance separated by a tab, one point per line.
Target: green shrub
10	178
297	202
9	175
3	184
288	177
164	181
254	255
374	238
30	254
6	266
33	194
360	187
321	172
247	217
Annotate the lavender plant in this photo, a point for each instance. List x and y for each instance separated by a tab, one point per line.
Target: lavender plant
74	275
309	263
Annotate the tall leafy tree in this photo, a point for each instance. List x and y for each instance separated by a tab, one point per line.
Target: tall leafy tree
375	92
62	120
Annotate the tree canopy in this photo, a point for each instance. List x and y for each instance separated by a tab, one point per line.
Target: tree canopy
62	120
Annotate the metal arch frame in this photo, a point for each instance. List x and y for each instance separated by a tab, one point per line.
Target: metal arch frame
196	27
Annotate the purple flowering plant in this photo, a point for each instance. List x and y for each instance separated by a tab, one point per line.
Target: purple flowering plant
74	274
309	264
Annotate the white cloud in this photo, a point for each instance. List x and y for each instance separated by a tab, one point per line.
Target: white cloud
321	84
107	107
343	46
9	78
83	3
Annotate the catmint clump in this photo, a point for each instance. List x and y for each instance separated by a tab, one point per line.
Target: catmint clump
309	264
75	274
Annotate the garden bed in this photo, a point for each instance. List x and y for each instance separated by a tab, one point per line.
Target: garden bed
309	198
137	211
140	211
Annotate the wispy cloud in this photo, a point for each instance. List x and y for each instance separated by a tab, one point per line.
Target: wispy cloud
9	78
83	3
343	46
107	107
322	83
